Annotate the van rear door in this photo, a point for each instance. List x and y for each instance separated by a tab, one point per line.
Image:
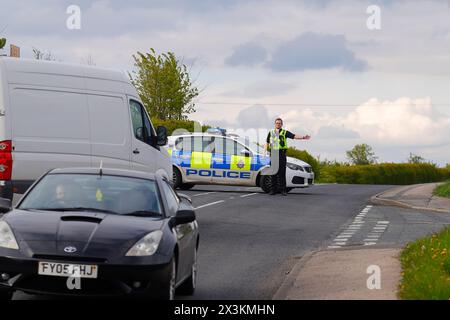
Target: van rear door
50	130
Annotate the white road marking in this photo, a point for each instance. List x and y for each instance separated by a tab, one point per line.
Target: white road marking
248	195
209	204
347	234
203	194
356	225
376	233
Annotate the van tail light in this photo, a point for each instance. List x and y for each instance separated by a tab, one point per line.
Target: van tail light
6	161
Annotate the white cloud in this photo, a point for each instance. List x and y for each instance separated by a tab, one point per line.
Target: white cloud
402	122
405	121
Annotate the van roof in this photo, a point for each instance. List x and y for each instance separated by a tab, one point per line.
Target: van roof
20	65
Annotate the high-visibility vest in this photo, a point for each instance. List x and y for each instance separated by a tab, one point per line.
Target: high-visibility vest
278	141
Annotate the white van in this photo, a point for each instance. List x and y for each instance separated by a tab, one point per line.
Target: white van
55	115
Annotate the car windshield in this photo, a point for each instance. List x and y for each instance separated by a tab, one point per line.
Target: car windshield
95	193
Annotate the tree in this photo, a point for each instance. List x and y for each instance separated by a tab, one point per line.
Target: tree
362	154
415	159
164	85
2	42
43	55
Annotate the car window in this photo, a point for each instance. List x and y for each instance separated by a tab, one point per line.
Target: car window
203	144
142	127
179	144
113	194
171	197
184	144
231	147
137	120
149	130
241	147
219	144
208	144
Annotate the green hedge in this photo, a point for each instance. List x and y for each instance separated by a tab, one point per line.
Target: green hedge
385	173
172	125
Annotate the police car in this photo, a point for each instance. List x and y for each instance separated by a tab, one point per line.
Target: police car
211	158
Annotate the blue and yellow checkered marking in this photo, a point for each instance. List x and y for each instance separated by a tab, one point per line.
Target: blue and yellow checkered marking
205	160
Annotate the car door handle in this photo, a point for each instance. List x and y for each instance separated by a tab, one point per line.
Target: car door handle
136	151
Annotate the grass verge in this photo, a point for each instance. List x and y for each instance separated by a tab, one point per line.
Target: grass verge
443	190
426	268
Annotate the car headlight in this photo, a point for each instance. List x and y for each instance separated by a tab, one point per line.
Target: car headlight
294	166
7	239
147	245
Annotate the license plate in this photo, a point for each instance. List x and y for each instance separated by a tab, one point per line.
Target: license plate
67	270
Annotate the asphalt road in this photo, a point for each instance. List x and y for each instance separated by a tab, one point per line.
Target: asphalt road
249	240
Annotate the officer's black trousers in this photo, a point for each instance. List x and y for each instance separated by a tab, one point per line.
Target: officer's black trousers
279	179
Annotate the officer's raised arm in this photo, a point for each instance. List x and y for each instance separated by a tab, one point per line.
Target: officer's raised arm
299	137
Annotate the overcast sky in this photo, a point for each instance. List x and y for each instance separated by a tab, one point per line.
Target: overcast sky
314	63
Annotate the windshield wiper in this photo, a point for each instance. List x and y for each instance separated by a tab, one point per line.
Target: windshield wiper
74	209
142	213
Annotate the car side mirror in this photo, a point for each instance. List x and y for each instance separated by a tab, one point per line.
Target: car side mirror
161	134
185	214
5	205
245	153
185	197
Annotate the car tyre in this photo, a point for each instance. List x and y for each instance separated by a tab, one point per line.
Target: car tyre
188	286
177	179
266	183
168	289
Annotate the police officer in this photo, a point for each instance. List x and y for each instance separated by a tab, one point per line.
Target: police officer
277	145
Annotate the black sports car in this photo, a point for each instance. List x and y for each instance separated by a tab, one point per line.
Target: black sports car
99	232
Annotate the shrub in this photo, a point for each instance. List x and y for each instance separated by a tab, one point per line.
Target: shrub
385	173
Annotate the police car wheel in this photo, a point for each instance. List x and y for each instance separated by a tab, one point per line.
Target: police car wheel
266	183
177	179
186	186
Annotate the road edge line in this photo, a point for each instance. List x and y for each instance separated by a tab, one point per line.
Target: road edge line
389	202
288	283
